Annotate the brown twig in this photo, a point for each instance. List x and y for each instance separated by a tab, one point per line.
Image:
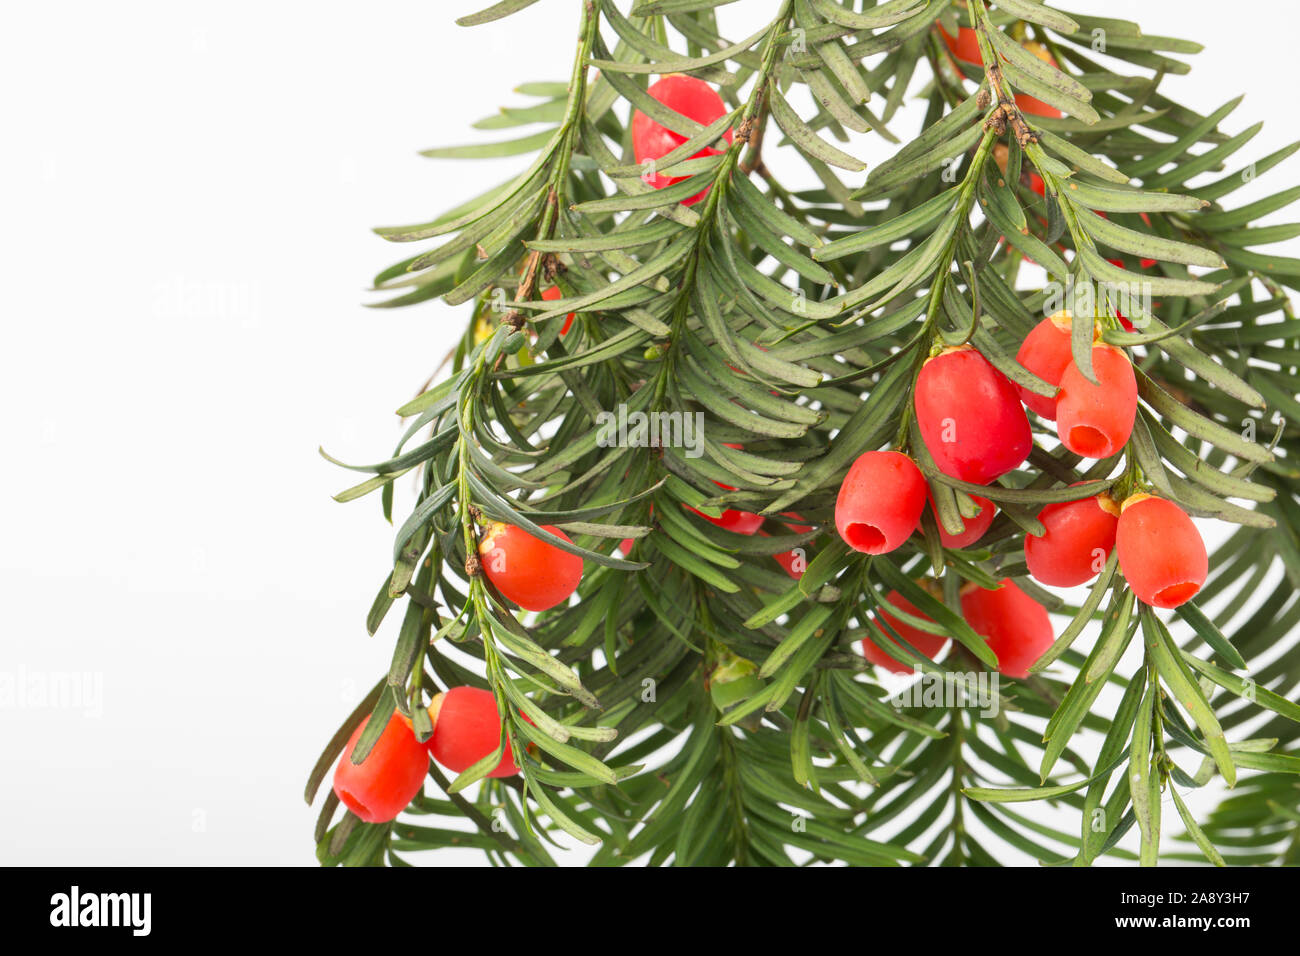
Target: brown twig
751	131
1007	115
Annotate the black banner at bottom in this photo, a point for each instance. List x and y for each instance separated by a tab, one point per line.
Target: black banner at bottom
235	905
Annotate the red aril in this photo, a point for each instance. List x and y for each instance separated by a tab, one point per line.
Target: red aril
1046	353
550	295
692	98
923	641
1079	538
737	522
880	502
796	524
1161	554
384	784
964	46
467	728
974	527
1016	627
1095	421
533	573
625	546
1146	263
970	417
794	561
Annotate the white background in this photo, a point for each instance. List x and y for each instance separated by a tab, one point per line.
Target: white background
187	191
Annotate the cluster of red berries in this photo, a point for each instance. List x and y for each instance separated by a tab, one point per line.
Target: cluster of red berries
971	419
466	728
1161	554
534	574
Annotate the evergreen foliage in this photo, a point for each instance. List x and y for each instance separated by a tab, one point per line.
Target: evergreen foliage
796	320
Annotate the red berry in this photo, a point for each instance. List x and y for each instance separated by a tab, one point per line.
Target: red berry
970	417
533	573
384	784
1078	541
880	502
964	46
1146	263
1015	626
466	728
1033	106
1161	553
923	641
1095	421
975	527
692	98
795	561
796	525
550	295
1036	107
737	522
625	546
1045	352
793	564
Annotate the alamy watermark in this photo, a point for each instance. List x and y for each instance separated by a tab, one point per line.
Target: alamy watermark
52	690
624	429
127	910
952	689
182	297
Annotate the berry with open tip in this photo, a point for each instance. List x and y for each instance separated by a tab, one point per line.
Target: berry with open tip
1095	420
1161	552
383	785
880	502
